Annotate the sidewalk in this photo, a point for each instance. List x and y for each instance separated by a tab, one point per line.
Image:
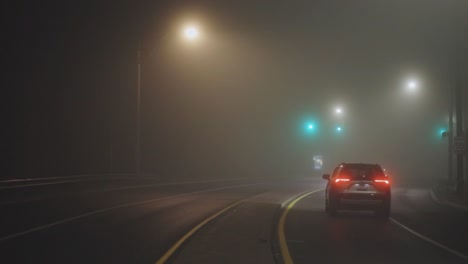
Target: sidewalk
445	193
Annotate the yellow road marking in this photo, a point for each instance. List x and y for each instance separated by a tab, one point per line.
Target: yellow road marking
281	236
173	249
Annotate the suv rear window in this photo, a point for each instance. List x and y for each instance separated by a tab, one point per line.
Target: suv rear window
360	170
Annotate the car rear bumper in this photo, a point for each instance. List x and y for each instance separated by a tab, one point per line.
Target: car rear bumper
362	201
348	204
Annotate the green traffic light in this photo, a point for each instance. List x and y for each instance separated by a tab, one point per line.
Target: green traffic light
443	132
311	127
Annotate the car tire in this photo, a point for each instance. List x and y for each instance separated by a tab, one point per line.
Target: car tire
384	211
330	208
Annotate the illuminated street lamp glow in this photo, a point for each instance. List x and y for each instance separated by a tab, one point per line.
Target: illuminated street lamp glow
412	85
191	32
338	129
338	111
311	126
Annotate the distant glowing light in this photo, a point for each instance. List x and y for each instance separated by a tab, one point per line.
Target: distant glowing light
191	32
338	111
412	86
338	129
443	132
310	127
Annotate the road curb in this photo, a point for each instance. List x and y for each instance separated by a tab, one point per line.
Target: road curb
445	202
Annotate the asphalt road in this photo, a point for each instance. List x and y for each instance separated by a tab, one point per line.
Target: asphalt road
235	221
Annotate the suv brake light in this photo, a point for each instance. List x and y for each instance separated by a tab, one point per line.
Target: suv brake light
382	181
342	178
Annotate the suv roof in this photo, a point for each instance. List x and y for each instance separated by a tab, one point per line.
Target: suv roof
359	165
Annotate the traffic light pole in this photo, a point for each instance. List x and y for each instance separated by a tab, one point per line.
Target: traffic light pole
459	130
450	135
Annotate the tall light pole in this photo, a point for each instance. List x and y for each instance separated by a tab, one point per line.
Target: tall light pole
450	136
190	33
138	121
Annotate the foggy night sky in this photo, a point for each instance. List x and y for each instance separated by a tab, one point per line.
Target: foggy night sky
234	103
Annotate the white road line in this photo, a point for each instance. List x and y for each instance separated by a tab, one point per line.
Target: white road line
43	184
115	207
464	257
446	203
61	178
97	179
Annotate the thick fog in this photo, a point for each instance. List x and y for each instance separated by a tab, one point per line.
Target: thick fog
238	101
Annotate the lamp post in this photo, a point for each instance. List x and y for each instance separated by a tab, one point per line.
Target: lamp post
189	33
138	121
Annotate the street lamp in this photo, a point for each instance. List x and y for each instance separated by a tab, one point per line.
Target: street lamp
190	33
338	111
412	86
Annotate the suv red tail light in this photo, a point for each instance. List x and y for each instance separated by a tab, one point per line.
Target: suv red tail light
341	178
382	181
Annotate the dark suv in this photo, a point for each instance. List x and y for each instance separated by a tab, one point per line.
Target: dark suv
357	186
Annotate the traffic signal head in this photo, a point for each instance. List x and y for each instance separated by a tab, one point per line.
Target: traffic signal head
444	133
310	127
